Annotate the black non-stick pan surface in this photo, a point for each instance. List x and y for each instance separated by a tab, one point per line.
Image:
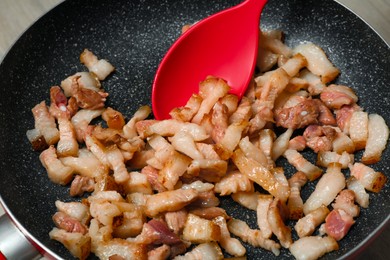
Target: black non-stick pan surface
133	36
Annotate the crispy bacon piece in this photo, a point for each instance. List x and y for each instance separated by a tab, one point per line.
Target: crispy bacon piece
230	140
36	139
152	176
169	201
163	151
159	253
101	68
337	223
203	251
137	183
336	96
187	112
85	164
199	186
346	201
315	85
259	174
378	134
211	89
266	59
368	177
358	129
116	162
113	118
263	203
56	170
327	188
206	199
199	230
317	62
253	151
67	145
233	182
130	129
220	121
173	169
295	203
176	220
313	247
232	245
120	249
79	245
319	138
342	143
45	123
210	212
343	116
297	143
69	224
87	80
242	113
361	196
281	144
103	209
277	213
328	157
183	142
59	106
80	185
266	141
246	199
82	119
170	127
272	40
303	114
76	210
301	164
306	225
252	236
166	236
85	97
130	223
207	151
293	65
274	85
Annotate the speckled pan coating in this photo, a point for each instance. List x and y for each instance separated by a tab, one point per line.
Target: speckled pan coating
134	35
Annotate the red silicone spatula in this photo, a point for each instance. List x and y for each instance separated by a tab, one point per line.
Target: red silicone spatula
223	45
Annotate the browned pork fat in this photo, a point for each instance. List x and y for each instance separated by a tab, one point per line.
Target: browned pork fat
346	201
299	116
295	202
306	225
368	177
336	96
69	224
313	247
317	62
277	213
378	134
203	251
79	245
45	124
327	188
252	236
169	201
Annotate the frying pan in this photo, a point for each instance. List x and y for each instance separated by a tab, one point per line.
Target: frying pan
133	36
